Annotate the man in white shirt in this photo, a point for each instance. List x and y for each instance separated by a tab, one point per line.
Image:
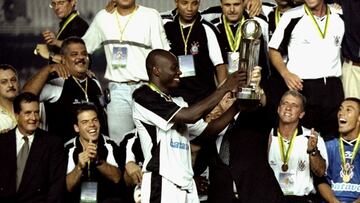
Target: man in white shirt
295	152
9	89
166	124
128	34
314	63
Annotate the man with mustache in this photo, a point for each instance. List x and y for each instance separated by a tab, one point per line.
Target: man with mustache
62	85
9	89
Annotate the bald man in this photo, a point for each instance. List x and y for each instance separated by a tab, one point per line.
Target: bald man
164	125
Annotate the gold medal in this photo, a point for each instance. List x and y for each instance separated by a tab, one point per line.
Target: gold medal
285	155
346	178
284	167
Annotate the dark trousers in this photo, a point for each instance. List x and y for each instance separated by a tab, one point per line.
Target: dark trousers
324	96
312	198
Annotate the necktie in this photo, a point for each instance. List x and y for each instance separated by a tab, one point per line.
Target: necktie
21	161
224	151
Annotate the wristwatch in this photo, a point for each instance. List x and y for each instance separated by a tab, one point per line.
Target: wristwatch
51	55
99	162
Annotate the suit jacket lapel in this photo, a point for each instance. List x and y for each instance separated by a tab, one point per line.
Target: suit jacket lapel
34	159
12	158
12	149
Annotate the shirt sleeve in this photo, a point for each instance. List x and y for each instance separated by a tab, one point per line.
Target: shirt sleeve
110	159
71	163
150	107
321	146
278	34
130	156
158	35
197	128
92	37
50	93
214	47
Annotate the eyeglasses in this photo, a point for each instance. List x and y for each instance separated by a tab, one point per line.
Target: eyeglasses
54	4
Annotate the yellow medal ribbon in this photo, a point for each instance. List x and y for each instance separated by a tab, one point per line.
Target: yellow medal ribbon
277	16
307	10
234	42
122	30
89	168
285	156
342	153
156	89
185	40
72	16
83	89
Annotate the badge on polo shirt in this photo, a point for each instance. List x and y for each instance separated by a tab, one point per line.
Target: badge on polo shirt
119	57
286	181
89	191
233	61
187	66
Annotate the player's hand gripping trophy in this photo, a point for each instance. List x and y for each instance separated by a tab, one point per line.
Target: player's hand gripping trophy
248	60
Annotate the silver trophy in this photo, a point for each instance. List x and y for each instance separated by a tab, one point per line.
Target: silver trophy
249	57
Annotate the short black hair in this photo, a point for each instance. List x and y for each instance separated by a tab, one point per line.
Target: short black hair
354	99
8	67
68	41
81	107
152	59
26	97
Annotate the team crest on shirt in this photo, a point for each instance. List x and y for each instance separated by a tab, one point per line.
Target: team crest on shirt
272	163
301	165
306	41
337	40
195	48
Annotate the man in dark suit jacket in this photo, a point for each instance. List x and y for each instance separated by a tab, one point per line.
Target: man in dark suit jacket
248	166
43	178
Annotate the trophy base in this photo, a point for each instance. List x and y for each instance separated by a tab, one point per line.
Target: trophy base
248	94
249	102
248	98
248	105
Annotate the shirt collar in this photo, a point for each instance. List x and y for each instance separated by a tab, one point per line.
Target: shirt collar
19	137
245	15
198	19
300	130
63	20
351	142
